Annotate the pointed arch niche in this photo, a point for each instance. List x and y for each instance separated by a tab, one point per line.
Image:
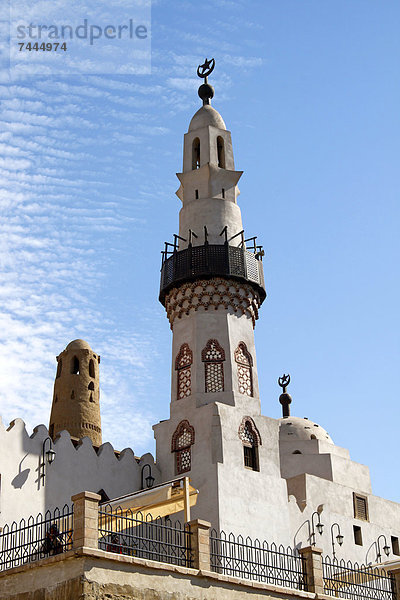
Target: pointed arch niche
213	356
183	365
251	440
244	363
196	154
221	152
182	441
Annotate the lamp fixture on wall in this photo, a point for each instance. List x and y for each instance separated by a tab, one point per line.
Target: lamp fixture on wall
318	526
339	538
386	548
149	479
48	456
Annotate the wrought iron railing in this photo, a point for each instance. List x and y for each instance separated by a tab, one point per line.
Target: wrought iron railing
134	534
258	561
344	579
35	538
212	260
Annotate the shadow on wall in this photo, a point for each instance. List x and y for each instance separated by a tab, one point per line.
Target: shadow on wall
20	479
304	531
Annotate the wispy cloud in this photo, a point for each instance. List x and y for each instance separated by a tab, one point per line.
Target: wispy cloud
79	175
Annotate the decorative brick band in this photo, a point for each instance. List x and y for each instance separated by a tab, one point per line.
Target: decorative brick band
82	425
204	294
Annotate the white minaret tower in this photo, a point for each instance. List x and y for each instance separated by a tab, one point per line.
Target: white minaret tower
212	286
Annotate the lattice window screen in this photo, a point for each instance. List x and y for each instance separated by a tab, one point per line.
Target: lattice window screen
251	439
244	369
183	364
213	356
182	440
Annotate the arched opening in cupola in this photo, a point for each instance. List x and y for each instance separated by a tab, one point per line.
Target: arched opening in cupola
75	365
221	152
59	368
91	368
196	154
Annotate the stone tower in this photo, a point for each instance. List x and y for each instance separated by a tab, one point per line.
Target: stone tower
76	405
212	286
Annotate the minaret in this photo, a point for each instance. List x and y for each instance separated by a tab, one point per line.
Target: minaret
76	406
212	284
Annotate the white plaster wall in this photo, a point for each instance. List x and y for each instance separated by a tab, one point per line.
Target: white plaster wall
253	503
205	453
208	147
232	497
229	329
214	213
337	503
24	493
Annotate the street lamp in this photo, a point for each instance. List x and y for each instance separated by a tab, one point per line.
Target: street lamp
386	548
48	456
319	526
339	538
149	479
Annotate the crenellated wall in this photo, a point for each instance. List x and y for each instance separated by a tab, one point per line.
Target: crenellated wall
24	491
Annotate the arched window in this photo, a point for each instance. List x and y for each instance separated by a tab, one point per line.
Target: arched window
251	439
75	366
221	152
91	386
182	440
182	366
91	368
244	369
213	356
196	154
59	368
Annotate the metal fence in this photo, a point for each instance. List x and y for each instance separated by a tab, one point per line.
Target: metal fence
35	538
344	579
258	561
134	534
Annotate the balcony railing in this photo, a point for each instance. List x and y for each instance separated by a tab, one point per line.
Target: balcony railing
344	579
142	536
36	537
212	260
253	560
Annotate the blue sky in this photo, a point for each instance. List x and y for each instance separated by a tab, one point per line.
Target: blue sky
310	91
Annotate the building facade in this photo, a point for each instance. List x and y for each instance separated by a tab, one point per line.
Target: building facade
282	480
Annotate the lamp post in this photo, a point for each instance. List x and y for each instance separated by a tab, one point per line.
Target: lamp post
48	456
149	479
339	538
386	548
319	526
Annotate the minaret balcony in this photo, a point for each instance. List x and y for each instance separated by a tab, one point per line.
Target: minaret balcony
211	260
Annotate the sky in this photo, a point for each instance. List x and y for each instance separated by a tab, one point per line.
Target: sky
310	91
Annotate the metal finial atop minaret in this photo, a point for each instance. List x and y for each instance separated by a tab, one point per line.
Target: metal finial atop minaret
285	399
206	91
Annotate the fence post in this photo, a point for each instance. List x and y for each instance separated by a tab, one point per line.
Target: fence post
396	576
86	520
200	544
313	566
